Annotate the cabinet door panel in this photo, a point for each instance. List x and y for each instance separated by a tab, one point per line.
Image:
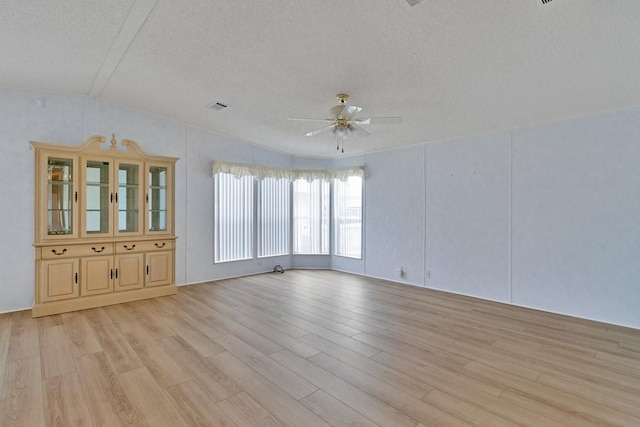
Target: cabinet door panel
159	268
129	211
159	199
58	196
98	197
129	272
97	275
59	280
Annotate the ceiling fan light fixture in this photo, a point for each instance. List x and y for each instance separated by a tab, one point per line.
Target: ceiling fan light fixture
342	131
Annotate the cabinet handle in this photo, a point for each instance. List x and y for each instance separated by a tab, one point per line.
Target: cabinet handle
59	253
76	277
129	248
110	197
160	246
98	250
147	270
146	197
111	274
76	196
116	273
116	197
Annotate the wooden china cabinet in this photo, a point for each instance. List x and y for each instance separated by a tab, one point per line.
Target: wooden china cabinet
104	225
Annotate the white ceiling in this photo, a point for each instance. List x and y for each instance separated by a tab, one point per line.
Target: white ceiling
448	67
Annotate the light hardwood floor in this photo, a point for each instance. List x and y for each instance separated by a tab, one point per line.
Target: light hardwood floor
309	348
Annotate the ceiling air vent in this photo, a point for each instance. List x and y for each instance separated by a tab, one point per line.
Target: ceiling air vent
415	2
217	106
546	1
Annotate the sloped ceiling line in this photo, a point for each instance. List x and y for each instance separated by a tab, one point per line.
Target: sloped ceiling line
140	11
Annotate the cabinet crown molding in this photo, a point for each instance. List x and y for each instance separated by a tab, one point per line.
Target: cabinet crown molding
94	145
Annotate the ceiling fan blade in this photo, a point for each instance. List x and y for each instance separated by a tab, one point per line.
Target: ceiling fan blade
337	110
358	130
322	129
350	111
311	120
379	121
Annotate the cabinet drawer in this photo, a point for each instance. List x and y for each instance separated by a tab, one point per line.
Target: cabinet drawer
144	246
76	251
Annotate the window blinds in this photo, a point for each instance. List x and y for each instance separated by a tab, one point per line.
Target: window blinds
310	217
233	217
347	208
273	225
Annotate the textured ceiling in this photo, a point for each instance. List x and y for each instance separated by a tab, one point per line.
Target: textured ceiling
448	67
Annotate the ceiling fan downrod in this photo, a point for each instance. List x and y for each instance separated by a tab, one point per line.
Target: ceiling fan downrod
342	98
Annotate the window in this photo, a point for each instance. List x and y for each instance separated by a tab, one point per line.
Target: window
347	212
310	216
233	212
273	210
243	192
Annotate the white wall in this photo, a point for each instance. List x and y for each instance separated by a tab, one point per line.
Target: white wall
467	216
576	217
395	234
546	217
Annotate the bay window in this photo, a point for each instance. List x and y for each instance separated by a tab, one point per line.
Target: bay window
285	211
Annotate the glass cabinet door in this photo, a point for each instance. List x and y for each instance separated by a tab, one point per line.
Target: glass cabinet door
61	197
158	205
98	197
128	199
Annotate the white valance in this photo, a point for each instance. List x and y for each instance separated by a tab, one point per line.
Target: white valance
242	169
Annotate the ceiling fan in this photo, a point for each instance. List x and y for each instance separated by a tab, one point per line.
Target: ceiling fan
344	122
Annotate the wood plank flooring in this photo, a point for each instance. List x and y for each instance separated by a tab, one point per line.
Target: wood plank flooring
315	348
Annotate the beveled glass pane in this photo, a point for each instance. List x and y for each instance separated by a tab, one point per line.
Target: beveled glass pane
60	222
60	196
128	220
162	200
98	172
95	223
159	218
94	197
128	174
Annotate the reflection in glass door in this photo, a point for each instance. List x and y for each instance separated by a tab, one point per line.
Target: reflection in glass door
97	197
157	198
128	198
60	196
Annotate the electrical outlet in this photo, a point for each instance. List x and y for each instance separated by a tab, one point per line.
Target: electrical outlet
427	274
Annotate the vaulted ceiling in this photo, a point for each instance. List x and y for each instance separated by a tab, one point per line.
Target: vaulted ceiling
448	67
